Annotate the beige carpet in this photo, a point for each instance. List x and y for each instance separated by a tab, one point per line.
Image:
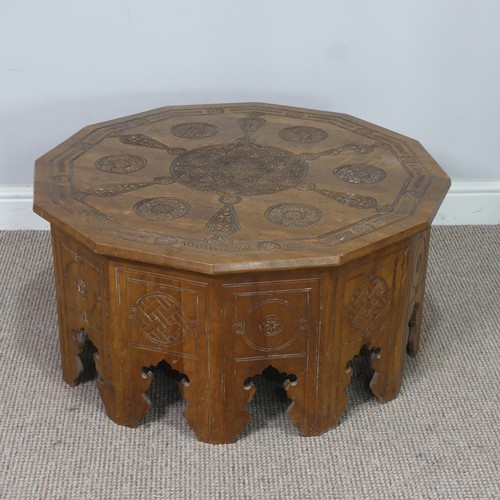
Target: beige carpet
438	439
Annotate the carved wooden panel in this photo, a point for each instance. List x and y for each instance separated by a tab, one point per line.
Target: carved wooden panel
82	282
368	299
164	313
273	319
274	323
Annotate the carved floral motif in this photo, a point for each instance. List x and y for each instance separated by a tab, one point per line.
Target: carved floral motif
120	164
360	174
161	208
271	325
224	222
194	130
239	169
293	214
303	135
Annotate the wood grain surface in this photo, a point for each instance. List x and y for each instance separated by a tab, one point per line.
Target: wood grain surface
224	240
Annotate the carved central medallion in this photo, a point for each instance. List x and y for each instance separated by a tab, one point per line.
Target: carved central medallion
239	169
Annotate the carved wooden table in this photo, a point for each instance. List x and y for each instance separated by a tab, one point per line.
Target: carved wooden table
224	239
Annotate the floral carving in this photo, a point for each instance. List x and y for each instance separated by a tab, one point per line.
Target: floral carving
120	164
360	174
161	208
293	214
303	135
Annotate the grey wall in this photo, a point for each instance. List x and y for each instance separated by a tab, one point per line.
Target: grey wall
429	69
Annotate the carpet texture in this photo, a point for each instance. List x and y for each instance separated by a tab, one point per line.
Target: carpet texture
438	439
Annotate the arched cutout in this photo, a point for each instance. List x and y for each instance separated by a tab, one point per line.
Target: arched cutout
359	388
165	388
86	352
270	399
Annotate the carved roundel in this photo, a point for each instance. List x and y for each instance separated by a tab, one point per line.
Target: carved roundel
194	130
293	214
303	135
161	318
360	174
271	325
368	302
239	169
161	208
120	164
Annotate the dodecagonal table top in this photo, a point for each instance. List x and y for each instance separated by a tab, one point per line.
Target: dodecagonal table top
236	187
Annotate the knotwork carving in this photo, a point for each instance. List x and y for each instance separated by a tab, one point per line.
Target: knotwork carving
162	319
368	302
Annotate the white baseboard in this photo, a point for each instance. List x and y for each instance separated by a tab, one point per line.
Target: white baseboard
16	209
471	202
467	202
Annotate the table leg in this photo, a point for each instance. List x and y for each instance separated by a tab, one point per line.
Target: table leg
78	291
416	289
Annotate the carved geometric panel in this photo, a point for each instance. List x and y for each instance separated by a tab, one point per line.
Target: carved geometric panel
161	318
164	313
273	320
368	297
368	302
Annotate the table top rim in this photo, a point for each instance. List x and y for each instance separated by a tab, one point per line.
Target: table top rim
213	260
